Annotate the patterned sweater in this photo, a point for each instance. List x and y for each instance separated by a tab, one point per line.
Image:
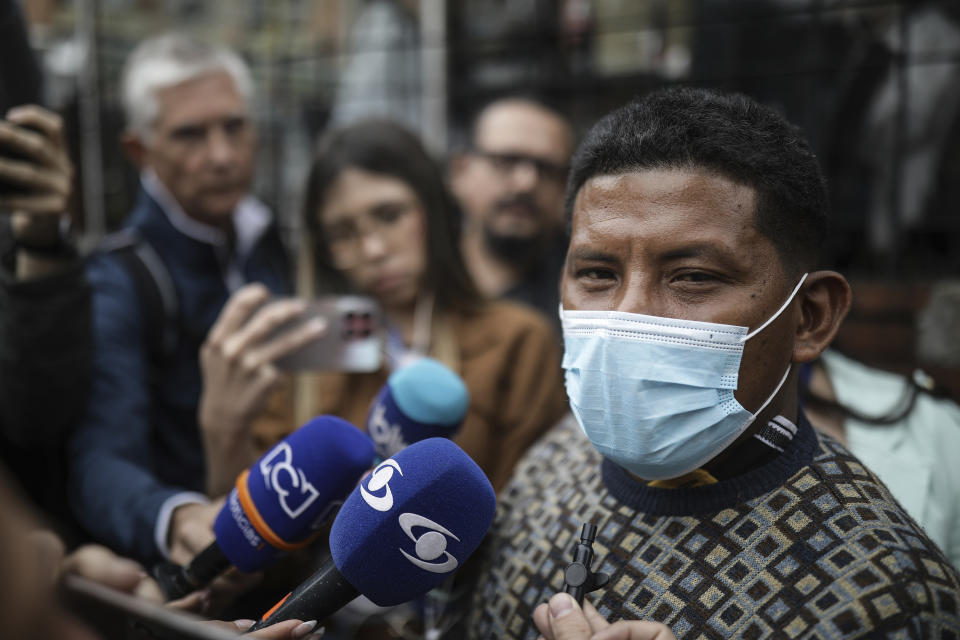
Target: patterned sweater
809	545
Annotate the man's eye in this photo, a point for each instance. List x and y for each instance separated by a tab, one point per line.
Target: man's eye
696	276
190	134
596	274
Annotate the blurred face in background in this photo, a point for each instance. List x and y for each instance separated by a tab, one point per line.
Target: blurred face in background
375	230
511	183
202	146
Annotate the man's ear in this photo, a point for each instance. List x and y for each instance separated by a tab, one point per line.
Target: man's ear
134	147
824	303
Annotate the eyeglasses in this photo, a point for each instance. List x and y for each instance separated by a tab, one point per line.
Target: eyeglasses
506	163
344	237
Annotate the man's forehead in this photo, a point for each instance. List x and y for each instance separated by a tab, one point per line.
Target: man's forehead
669	205
213	94
523	127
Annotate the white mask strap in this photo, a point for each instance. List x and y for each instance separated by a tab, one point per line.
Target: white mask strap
779	311
746	424
772	395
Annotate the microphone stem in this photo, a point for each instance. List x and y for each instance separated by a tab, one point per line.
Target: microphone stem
321	595
176	581
207	565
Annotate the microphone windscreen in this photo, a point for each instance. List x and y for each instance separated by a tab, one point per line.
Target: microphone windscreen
412	522
422	400
291	491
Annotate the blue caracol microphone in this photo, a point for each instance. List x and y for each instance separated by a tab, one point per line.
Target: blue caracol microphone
406	528
422	400
279	503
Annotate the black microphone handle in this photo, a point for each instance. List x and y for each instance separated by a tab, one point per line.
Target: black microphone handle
207	565
177	581
317	598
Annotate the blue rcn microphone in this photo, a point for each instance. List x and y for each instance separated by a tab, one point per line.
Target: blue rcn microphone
422	400
406	528
280	502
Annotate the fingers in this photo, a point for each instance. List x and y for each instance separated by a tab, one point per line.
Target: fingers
635	630
49	552
597	622
225	589
149	590
293	629
31	115
237	311
288	342
288	629
196	602
541	618
34	133
563	619
263	324
42	170
33	146
102	565
46	205
191	530
33	176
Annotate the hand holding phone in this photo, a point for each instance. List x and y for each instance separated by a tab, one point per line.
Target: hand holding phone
35	172
237	362
116	615
352	343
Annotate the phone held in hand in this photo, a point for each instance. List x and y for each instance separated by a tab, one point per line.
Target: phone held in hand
353	341
113	614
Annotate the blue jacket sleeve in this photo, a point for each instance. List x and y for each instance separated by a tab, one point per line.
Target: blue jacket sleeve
114	491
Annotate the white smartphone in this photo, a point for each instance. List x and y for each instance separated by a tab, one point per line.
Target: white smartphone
353	341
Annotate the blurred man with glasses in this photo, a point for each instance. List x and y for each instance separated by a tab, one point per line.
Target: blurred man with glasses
510	184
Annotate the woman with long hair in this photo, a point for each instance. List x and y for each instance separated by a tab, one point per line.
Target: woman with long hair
381	222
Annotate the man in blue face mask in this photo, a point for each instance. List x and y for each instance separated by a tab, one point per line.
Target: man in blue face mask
690	296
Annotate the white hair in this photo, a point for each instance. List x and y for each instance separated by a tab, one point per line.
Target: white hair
168	60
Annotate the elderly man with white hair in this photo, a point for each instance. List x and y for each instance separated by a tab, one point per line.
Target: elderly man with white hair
195	235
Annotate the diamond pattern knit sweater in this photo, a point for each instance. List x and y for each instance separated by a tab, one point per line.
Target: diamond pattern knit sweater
810	545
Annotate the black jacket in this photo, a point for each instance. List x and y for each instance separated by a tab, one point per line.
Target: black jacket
45	363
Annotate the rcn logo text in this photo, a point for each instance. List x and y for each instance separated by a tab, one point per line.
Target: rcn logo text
294	491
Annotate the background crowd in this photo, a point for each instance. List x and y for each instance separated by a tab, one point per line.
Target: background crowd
188	183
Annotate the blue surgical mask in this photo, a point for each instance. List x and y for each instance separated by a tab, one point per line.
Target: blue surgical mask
655	395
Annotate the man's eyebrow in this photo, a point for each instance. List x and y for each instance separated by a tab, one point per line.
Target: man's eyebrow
591	255
703	250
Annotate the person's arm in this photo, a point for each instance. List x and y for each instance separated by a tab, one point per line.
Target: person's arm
239	375
45	353
45	347
113	490
36	176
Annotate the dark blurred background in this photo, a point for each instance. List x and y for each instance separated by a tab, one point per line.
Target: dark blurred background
874	83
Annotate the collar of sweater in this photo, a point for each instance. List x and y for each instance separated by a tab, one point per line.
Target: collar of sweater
714	497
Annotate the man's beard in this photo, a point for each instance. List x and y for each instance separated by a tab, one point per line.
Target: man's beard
518	250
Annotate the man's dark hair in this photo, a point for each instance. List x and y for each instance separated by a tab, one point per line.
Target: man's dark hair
386	148
727	134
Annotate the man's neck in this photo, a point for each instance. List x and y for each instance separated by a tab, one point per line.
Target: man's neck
747	452
764	440
219	232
